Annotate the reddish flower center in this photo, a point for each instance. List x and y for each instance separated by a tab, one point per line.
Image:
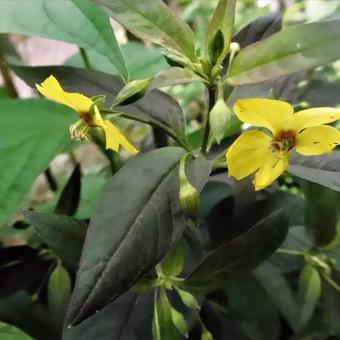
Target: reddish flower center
284	140
86	117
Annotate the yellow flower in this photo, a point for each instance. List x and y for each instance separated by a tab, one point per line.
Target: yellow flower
268	156
88	113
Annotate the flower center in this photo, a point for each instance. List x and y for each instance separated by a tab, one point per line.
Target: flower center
86	117
283	141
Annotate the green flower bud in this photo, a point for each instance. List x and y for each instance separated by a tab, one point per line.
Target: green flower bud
219	119
179	321
132	92
206	335
188	194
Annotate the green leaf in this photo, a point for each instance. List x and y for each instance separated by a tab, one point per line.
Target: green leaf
295	48
155	108
59	292
322	169
278	289
173	262
136	222
245	295
242	254
33	132
76	22
309	291
128	317
163	327
321	213
9	332
223	22
31	316
152	20
143	62
63	234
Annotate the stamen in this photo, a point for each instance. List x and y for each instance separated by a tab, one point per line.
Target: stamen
283	142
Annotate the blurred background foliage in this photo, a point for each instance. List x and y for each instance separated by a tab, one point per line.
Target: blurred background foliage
260	305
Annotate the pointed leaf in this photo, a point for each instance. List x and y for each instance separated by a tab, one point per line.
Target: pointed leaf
324	169
242	254
293	49
152	20
63	234
135	223
33	132
258	29
129	317
222	21
76	22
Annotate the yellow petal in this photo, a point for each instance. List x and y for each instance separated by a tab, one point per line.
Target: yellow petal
272	168
51	89
246	154
317	140
274	115
114	138
314	117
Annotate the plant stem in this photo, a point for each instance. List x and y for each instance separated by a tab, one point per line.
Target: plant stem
211	103
85	58
52	183
7	78
289	252
155	315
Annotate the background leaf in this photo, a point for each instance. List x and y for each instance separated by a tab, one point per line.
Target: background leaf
152	20
258	29
322	169
59	292
64	235
310	291
76	22
129	317
30	316
321	213
134	224
241	254
33	132
293	49
8	332
142	62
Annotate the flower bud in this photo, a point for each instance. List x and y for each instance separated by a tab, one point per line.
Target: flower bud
132	92
219	119
188	194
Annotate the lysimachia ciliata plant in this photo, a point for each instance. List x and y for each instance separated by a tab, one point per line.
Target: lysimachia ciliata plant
226	227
